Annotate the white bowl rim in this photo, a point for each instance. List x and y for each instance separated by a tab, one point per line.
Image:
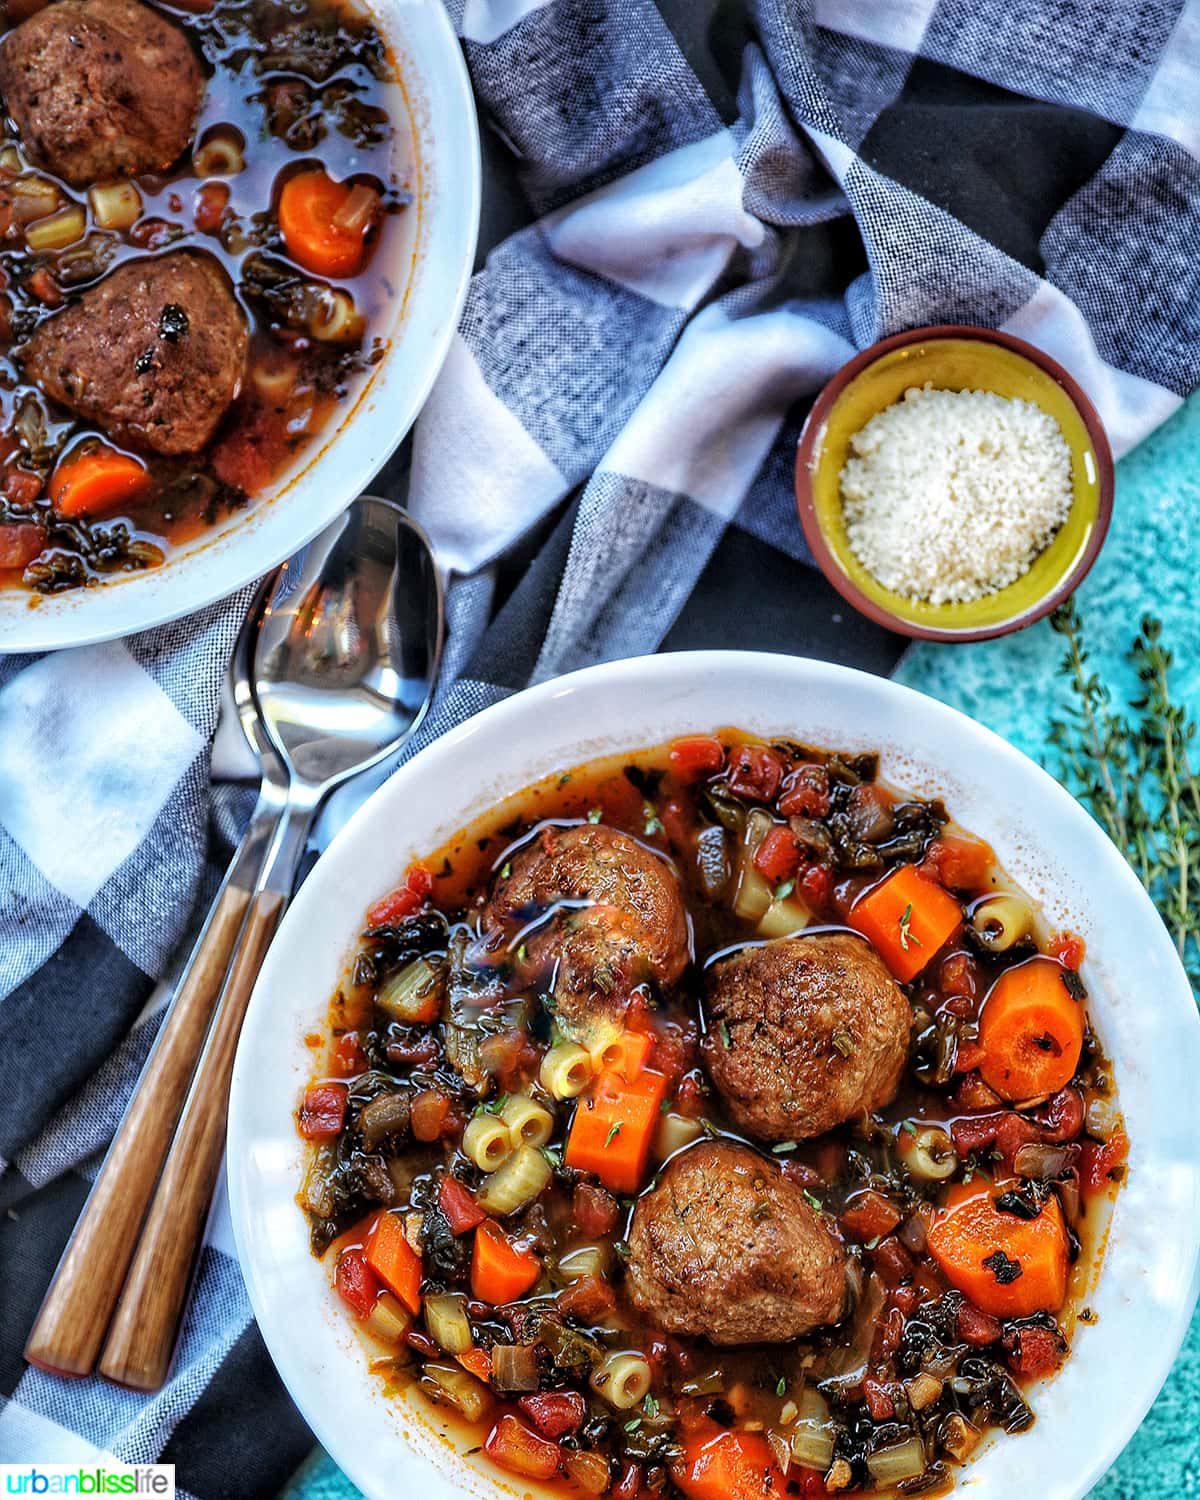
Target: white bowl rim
372	1461
345	458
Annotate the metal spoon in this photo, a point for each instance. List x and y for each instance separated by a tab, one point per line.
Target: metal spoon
341	658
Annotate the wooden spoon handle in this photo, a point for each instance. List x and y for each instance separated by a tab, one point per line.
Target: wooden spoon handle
141	1341
70	1327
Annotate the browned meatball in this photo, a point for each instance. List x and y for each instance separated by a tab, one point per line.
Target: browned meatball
803	1033
101	89
728	1247
154	354
628	924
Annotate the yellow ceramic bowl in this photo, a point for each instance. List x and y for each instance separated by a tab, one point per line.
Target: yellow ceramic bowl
957	359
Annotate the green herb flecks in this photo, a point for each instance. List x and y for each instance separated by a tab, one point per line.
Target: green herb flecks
613	1133
653	823
908	938
595	814
782	892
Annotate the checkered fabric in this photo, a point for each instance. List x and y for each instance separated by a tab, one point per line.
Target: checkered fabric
718	205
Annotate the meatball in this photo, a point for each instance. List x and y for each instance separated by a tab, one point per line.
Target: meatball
623	923
153	354
726	1246
101	89
803	1033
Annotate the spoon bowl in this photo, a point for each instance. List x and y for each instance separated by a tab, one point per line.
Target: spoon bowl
348	643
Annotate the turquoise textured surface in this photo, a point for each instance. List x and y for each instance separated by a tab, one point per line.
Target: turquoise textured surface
1150	562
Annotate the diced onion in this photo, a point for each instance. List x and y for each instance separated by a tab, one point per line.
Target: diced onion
405	997
358	210
1102	1118
274	379
783	918
622	1379
522	1178
57	230
584	1260
389	1319
115	205
898	1462
588	1470
447	1322
450	1385
33	198
514	1367
812	1437
752	893
674	1132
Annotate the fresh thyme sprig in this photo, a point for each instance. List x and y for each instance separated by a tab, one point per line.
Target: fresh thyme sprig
1136	773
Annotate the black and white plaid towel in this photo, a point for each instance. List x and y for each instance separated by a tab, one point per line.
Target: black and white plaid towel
720	203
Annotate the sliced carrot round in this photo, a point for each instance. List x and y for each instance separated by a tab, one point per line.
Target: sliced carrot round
325	223
96	482
1008	1265
1031	1031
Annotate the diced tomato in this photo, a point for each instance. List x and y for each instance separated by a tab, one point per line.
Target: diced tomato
211	202
778	856
689	1097
888	1333
975	1134
428	1117
959	975
968	1057
878	1399
976	1327
1068	948
696	756
805	793
1061	1117
678	825
22	487
892	1261
629	1484
973	1095
323	1111
754	772
869	1215
404	901
478	1362
44	287
959	864
1013	1132
347	1058
1034	1352
594	1210
555	1414
461	1210
815	883
20	543
903	1298
590	1299
1100	1165
517	1448
356	1284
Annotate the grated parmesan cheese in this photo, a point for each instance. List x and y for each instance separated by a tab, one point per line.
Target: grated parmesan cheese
951	495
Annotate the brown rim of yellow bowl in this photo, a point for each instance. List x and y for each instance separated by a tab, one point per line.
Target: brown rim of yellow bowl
827	561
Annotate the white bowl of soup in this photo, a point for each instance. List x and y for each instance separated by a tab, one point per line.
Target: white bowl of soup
329	193
452	814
